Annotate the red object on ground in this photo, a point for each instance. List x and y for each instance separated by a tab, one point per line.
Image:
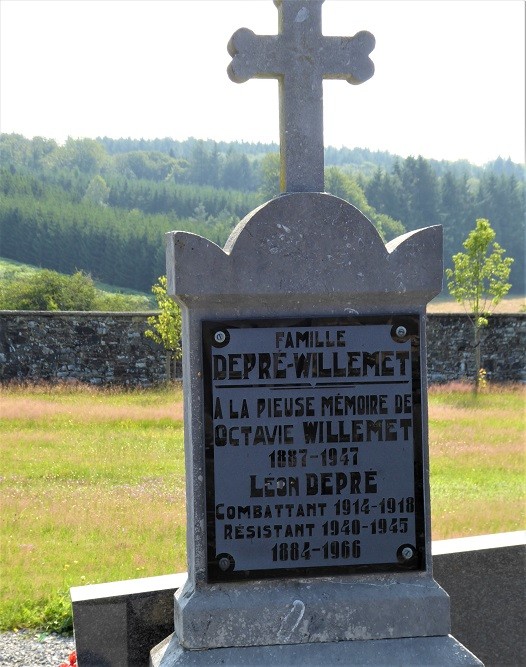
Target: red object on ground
72	660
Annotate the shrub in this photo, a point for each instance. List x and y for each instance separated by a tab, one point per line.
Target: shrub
48	290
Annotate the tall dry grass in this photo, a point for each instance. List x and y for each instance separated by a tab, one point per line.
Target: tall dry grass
93	484
92	490
510	305
477	457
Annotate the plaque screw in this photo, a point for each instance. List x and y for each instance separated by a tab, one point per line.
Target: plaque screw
219	336
407	553
224	564
401	331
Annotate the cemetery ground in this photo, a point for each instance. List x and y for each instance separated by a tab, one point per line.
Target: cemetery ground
93	485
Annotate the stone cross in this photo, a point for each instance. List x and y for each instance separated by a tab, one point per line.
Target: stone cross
300	57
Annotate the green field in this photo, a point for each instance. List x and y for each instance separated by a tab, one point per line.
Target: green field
14	271
477	461
93	485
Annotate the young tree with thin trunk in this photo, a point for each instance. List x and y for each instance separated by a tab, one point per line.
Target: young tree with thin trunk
166	327
478	280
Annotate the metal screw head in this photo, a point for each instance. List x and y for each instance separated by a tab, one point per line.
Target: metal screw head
401	331
224	564
219	336
407	553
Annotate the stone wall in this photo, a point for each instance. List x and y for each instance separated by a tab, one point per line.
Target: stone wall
98	348
110	348
450	354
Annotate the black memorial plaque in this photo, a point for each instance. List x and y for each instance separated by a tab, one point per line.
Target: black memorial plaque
313	444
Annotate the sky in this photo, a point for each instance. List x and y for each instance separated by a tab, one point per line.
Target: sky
449	80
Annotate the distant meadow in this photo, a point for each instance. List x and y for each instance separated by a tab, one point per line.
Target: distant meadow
93	485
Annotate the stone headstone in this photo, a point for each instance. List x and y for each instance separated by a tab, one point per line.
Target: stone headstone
308	531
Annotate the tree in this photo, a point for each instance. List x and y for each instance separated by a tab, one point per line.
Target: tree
345	186
97	191
166	327
478	280
48	290
456	206
87	155
269	175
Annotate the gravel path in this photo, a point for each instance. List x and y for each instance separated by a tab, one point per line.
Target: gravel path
26	648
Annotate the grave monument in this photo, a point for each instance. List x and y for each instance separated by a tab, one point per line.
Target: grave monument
308	531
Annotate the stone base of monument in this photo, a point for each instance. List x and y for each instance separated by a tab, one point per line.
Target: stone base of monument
297	611
407	651
360	620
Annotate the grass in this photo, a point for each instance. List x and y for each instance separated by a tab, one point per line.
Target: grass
477	460
510	305
12	270
93	486
93	490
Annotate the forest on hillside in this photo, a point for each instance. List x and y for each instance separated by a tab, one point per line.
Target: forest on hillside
102	206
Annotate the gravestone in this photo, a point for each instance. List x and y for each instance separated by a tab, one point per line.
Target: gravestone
308	531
